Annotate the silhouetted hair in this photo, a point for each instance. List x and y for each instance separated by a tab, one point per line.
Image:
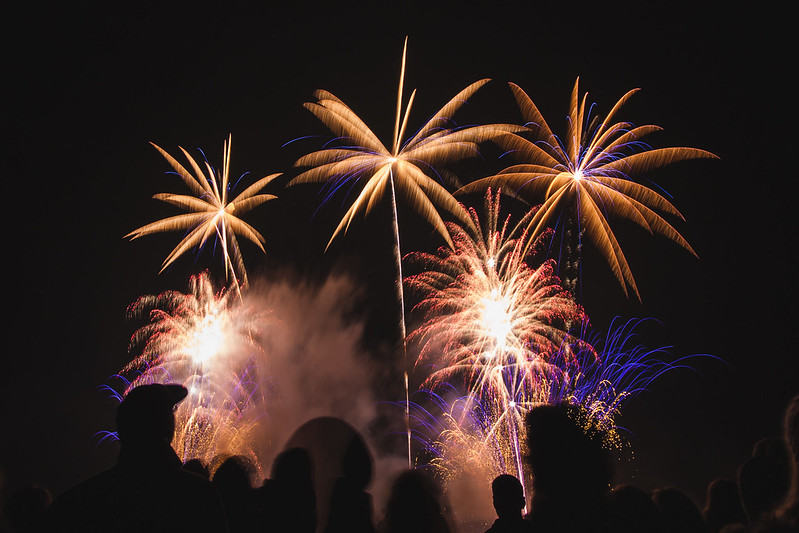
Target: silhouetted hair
24	508
763	483
629	509
789	510
723	505
196	466
146	412
508	495
414	506
680	514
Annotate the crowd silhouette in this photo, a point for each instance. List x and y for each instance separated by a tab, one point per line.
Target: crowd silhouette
149	489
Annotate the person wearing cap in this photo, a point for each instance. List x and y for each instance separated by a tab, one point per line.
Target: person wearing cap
148	489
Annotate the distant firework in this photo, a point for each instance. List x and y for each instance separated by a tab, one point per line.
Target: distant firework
206	341
501	337
586	174
212	212
460	432
492	324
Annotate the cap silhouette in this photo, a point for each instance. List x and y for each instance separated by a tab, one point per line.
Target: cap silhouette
146	412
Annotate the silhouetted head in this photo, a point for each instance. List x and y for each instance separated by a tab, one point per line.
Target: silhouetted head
791	426
508	495
196	466
773	447
566	455
790	507
723	504
234	475
764	483
292	467
629	509
146	414
680	514
25	507
414	505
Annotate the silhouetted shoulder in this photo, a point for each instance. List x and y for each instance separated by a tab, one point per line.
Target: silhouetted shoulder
123	501
515	525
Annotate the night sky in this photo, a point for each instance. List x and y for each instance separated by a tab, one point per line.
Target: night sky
87	87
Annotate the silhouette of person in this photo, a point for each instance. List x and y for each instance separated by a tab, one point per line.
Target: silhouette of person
148	489
24	509
232	480
570	468
508	496
631	510
288	497
787	513
763	482
723	505
680	514
196	466
413	506
350	504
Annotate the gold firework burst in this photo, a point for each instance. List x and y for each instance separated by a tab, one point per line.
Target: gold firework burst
211	211
406	167
588	172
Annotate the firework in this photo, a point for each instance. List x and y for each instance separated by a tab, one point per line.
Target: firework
493	322
205	340
402	168
467	432
587	174
485	306
211	211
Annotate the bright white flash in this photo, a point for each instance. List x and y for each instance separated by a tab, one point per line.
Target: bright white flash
495	318
207	339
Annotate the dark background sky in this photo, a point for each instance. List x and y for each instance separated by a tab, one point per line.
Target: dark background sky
87	85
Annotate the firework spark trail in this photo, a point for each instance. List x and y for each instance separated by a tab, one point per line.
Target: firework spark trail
206	341
211	211
404	168
587	173
491	322
486	306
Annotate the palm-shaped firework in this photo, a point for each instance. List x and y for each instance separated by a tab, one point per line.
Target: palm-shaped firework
211	211
588	173
403	168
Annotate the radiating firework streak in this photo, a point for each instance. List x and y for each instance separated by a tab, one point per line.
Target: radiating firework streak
207	342
485	307
470	432
492	322
211	211
587	174
401	168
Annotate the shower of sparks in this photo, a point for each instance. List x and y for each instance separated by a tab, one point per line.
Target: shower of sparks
587	173
492	322
206	341
486	309
473	433
211	211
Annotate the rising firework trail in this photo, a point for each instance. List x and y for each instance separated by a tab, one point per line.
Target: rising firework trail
587	175
399	168
208	342
211	212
